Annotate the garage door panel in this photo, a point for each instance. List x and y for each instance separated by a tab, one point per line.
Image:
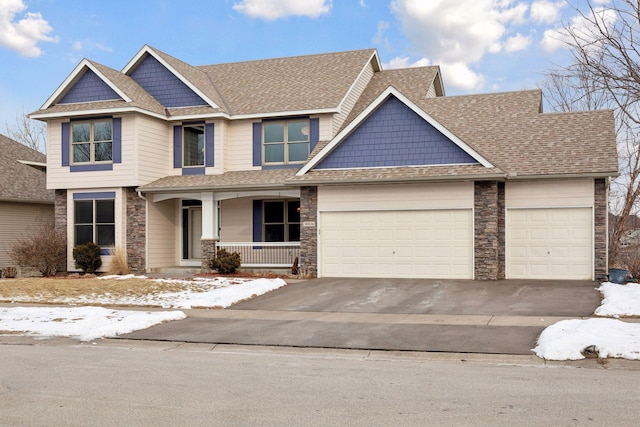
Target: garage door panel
434	243
549	243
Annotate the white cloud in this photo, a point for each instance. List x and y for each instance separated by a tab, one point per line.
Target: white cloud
458	75
457	31
274	9
516	43
545	11
379	38
455	34
24	34
558	38
405	62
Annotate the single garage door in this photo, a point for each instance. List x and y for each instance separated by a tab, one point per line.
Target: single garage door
549	243
413	243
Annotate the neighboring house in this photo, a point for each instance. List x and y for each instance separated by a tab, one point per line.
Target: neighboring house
326	158
24	200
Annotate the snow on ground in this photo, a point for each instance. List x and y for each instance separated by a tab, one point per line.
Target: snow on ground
567	339
564	340
83	323
88	323
214	292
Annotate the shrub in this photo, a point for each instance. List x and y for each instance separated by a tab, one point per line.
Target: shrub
225	262
44	250
119	263
87	257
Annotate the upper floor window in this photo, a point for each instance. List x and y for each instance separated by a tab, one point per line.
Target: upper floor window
92	141
193	145
286	141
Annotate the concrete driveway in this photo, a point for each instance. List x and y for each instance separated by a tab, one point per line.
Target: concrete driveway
464	316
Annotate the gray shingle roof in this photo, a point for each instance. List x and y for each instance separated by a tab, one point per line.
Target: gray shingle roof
20	182
298	83
234	180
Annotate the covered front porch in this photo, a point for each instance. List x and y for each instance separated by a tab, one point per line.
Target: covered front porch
185	229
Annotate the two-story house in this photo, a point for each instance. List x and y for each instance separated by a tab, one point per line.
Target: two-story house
354	170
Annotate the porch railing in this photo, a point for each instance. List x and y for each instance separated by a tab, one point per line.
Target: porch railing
264	254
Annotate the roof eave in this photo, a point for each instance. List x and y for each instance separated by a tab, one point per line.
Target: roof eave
399	180
190	189
609	174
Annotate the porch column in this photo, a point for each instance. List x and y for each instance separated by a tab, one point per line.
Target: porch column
309	231
209	229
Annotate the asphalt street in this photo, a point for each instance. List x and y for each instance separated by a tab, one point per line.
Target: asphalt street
120	382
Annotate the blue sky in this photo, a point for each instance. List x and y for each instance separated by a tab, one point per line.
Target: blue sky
481	45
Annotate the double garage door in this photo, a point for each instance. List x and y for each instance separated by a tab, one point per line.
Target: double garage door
540	244
397	243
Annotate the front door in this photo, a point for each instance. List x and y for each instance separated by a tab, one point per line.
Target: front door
191	232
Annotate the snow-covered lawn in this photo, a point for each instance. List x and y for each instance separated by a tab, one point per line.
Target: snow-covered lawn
88	323
566	340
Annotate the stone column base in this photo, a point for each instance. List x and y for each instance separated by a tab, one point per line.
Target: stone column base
208	251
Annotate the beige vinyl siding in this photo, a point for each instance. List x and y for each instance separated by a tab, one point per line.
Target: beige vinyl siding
236	220
220	131
394	197
349	101
153	140
162	242
123	174
55	173
238	146
544	194
18	220
326	126
431	93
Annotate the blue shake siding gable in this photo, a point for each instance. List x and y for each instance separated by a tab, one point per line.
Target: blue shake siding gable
394	135
89	88
163	85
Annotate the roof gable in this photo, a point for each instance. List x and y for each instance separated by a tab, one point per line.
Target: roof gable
391	92
185	82
76	76
164	85
89	88
395	135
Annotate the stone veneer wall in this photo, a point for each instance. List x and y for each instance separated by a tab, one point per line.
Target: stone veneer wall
600	217
207	251
308	262
489	229
136	208
60	215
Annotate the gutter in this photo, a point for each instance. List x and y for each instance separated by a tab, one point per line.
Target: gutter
487	177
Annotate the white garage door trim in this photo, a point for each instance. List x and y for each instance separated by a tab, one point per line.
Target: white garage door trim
538	249
435	243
